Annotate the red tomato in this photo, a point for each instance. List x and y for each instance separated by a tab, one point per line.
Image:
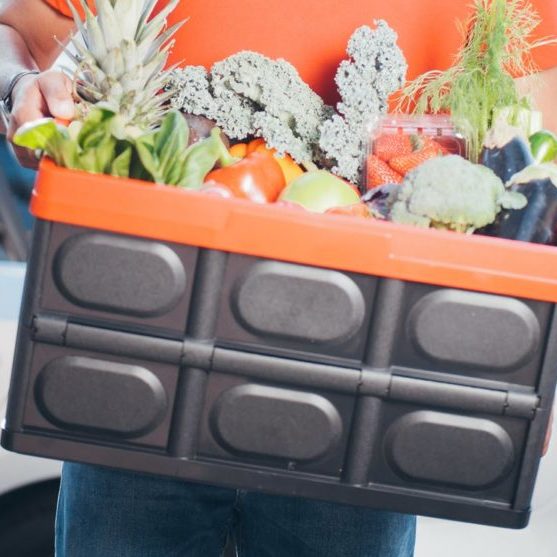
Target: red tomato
257	176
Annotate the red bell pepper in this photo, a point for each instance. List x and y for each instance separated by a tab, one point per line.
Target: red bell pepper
257	177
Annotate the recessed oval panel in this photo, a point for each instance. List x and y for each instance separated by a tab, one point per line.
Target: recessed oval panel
474	328
269	421
87	394
117	274
297	302
462	451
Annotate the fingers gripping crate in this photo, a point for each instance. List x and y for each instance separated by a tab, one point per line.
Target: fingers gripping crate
261	348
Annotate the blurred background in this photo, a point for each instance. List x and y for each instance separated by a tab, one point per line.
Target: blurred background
28	486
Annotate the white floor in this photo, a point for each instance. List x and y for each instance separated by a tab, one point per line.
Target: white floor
439	538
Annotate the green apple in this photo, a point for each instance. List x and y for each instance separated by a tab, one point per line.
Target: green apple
544	146
319	190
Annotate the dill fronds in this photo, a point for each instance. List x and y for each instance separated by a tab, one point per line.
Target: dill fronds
498	45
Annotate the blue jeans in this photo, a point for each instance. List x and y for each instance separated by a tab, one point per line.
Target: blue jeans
108	513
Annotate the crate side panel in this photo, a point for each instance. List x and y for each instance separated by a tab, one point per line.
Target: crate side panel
255	423
448	453
286	308
100	398
471	334
34	278
117	280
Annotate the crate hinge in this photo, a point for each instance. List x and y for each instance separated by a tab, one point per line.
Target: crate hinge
204	355
57	330
383	383
49	328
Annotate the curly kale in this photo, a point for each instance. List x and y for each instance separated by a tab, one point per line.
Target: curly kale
375	70
248	94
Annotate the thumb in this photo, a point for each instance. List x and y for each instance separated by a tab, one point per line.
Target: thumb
56	89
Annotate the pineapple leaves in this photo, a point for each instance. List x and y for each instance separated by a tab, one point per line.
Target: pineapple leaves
122	57
125	126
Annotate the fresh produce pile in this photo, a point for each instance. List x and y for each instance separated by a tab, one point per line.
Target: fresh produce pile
250	128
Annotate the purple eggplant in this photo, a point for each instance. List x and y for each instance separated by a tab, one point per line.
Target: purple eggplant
380	199
508	158
537	221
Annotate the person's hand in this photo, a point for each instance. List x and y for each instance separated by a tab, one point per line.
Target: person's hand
37	96
548	435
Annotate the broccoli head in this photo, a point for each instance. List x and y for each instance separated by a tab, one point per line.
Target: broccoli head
452	193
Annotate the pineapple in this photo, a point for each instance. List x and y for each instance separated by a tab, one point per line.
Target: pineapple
120	61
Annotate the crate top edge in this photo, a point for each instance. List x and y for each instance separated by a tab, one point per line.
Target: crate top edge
347	243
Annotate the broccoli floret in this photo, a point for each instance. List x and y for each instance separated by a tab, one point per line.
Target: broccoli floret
250	94
453	193
376	69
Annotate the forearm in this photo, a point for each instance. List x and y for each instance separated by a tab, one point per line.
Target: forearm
16	58
28	33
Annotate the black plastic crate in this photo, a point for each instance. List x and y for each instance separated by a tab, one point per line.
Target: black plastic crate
294	379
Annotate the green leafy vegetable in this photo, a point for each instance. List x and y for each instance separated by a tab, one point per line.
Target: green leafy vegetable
96	145
88	145
498	46
201	158
37	134
121	164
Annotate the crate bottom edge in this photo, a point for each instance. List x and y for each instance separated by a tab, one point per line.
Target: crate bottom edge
266	481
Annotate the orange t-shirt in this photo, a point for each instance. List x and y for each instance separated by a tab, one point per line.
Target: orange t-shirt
312	34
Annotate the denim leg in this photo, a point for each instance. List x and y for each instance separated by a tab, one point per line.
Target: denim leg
274	526
108	513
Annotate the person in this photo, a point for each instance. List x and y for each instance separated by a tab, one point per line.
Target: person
103	512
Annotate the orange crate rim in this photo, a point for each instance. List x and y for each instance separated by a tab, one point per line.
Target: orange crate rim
367	246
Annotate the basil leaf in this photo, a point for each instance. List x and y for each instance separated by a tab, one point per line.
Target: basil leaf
171	144
88	161
106	153
64	151
145	148
121	164
200	159
96	128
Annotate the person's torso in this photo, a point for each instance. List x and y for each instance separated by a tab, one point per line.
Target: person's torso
312	34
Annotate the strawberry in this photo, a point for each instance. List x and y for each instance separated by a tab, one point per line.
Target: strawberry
405	163
378	172
387	146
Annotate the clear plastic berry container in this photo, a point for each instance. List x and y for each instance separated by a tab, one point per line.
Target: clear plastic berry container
399	143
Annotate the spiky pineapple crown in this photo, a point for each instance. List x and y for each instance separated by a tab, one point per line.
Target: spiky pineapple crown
121	59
